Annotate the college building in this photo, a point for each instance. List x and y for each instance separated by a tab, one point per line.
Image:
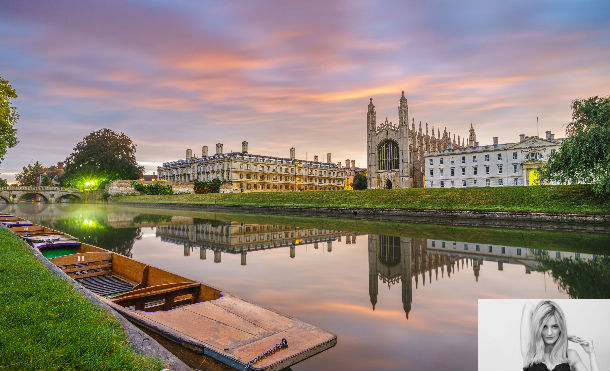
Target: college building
495	165
246	172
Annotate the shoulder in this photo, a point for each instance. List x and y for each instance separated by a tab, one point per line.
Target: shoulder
573	357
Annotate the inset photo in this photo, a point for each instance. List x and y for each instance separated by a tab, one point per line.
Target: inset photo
544	335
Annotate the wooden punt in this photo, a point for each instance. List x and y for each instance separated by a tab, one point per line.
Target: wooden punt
195	315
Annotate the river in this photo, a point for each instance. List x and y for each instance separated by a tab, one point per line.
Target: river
398	296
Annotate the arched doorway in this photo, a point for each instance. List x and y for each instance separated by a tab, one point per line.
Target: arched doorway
388	184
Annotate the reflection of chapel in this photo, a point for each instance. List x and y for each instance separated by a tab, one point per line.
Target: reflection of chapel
395	153
400	259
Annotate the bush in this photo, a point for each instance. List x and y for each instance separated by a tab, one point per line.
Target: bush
153	189
208	187
359	181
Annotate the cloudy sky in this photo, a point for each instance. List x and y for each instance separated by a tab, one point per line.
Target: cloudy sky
181	74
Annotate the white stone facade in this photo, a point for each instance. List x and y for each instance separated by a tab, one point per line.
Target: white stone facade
496	165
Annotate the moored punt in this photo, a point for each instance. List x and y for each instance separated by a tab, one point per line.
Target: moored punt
195	315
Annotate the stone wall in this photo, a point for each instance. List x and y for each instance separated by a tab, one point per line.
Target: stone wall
124	187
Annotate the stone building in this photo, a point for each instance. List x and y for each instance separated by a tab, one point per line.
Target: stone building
246	172
509	164
350	172
395	153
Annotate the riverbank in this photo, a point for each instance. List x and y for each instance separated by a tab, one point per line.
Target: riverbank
47	325
573	207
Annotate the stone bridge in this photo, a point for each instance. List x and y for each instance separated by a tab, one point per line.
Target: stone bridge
47	194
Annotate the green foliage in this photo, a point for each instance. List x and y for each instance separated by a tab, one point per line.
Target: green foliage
154	189
101	157
578	198
585	155
212	186
579	278
8	118
3	183
359	182
31	175
47	325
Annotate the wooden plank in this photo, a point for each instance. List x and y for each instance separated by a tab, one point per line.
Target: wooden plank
209	310
91	274
81	258
259	316
95	265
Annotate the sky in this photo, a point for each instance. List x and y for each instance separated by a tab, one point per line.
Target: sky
174	75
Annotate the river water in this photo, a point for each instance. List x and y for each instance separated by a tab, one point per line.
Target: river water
398	296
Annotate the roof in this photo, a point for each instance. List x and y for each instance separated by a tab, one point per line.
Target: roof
239	155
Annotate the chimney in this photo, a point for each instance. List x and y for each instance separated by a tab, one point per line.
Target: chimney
521	137
204	151
339	164
189	153
315	158
60	169
347	163
244	147
552	136
548	135
219	148
292	154
495	141
328	157
353	164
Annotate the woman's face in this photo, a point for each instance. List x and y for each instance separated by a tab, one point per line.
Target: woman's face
550	331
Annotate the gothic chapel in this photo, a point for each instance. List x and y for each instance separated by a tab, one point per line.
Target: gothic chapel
395	154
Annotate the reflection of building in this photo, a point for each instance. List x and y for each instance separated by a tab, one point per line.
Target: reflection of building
402	259
510	164
498	253
255	173
239	238
395	154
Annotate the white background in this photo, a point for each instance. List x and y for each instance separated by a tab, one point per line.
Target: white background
500	324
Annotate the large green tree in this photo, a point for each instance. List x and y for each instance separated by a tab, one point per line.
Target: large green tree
30	174
359	181
8	117
100	157
584	156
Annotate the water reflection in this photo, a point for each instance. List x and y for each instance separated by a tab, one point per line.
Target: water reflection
398	296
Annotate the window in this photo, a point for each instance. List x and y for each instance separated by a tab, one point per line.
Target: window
431	162
441	172
487	157
452	171
463	171
501	181
490	248
463	183
475	170
241	176
441	160
503	249
463	159
452	184
516	181
431	172
247	176
433	243
442	184
387	155
487	170
474	182
451	160
431	184
474	158
515	168
499	157
487	182
514	155
499	169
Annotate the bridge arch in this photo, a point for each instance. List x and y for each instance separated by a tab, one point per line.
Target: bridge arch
24	195
68	196
3	198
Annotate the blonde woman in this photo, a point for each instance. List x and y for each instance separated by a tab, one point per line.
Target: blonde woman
544	341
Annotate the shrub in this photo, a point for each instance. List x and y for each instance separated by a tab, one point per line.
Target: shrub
208	187
153	189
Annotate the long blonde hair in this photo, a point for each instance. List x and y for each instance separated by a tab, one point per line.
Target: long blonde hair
542	313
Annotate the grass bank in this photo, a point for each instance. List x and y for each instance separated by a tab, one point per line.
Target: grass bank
47	325
550	199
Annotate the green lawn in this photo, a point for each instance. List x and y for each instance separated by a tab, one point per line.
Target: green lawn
559	198
47	325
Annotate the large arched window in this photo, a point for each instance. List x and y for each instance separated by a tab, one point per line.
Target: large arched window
389	250
387	155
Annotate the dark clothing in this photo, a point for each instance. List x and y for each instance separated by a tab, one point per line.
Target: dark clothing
542	367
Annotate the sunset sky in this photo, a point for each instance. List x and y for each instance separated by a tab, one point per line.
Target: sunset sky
181	74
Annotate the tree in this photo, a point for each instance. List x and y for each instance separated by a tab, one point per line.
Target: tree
584	156
3	183
8	118
31	174
102	156
359	181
